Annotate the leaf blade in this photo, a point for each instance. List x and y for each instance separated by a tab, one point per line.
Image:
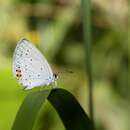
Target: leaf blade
27	113
69	110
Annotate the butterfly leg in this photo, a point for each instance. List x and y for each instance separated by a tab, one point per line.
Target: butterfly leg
24	88
54	84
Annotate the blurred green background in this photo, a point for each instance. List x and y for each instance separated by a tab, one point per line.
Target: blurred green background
55	27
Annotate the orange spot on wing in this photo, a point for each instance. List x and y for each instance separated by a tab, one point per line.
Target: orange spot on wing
18	73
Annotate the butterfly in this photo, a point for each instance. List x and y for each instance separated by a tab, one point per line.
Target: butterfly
30	67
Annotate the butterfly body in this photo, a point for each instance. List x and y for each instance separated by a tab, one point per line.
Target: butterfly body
30	67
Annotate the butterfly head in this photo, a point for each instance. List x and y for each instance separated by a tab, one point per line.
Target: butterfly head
55	76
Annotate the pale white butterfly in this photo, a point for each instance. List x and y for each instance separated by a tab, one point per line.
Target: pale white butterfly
30	67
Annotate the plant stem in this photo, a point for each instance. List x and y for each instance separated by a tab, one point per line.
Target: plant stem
86	17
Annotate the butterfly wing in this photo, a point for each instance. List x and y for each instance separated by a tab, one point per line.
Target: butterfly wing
29	66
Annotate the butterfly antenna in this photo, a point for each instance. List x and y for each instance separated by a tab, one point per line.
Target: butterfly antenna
65	71
69	71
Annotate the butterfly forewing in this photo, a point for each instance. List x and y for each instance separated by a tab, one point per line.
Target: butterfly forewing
30	66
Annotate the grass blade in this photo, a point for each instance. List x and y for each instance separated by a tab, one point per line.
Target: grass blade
27	113
69	110
86	17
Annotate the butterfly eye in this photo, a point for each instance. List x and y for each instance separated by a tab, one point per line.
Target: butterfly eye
55	76
30	59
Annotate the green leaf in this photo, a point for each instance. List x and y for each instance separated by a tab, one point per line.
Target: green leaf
29	109
69	110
